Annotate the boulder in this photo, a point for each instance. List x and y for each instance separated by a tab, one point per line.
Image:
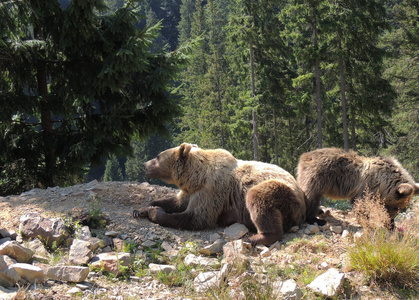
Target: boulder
16	251
67	273
328	283
80	252
235	231
49	230
29	272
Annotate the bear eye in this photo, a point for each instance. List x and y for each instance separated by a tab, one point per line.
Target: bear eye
158	157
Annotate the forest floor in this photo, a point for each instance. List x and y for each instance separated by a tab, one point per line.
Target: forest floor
300	256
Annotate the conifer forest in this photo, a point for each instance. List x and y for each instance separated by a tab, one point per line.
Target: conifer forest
91	89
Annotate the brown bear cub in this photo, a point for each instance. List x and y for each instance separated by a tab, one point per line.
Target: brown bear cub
340	174
216	189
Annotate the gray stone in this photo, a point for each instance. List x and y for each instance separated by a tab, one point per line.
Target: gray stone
67	273
213	237
235	231
312	229
4	240
3	263
6	281
29	272
294	229
156	268
328	283
149	244
111	233
49	230
4	232
80	252
213	249
336	229
16	251
37	247
13	274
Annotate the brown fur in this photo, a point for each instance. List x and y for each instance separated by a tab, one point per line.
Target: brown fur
216	189
338	174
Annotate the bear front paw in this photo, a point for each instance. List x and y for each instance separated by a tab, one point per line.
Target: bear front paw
154	212
141	213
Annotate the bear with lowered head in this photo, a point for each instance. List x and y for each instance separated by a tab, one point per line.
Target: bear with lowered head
216	189
340	174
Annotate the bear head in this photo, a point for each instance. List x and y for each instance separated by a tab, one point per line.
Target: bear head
403	194
168	164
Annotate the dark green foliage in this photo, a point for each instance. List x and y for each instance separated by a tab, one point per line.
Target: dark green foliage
75	87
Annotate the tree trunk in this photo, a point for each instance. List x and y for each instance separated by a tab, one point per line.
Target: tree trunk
254	117
352	117
276	138
46	123
318	94
342	91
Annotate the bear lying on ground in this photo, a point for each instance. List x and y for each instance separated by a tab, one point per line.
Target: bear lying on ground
216	189
339	174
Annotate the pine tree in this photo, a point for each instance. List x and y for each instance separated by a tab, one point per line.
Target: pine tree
76	86
113	170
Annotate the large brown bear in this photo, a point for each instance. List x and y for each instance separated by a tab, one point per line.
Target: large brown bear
216	189
339	174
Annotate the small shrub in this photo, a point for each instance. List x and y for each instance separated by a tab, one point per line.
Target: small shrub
95	218
371	212
385	256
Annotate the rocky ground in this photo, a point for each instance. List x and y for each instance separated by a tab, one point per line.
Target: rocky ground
216	266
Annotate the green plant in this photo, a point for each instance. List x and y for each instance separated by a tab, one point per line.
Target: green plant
387	257
130	246
180	277
96	218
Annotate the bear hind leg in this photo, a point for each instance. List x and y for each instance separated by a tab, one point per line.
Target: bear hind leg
264	213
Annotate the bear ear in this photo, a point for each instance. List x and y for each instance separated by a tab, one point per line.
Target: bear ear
184	150
405	189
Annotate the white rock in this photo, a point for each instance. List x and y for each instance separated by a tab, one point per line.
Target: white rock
328	283
73	290
6	294
345	233
225	271
206	280
166	246
288	289
193	260
156	268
